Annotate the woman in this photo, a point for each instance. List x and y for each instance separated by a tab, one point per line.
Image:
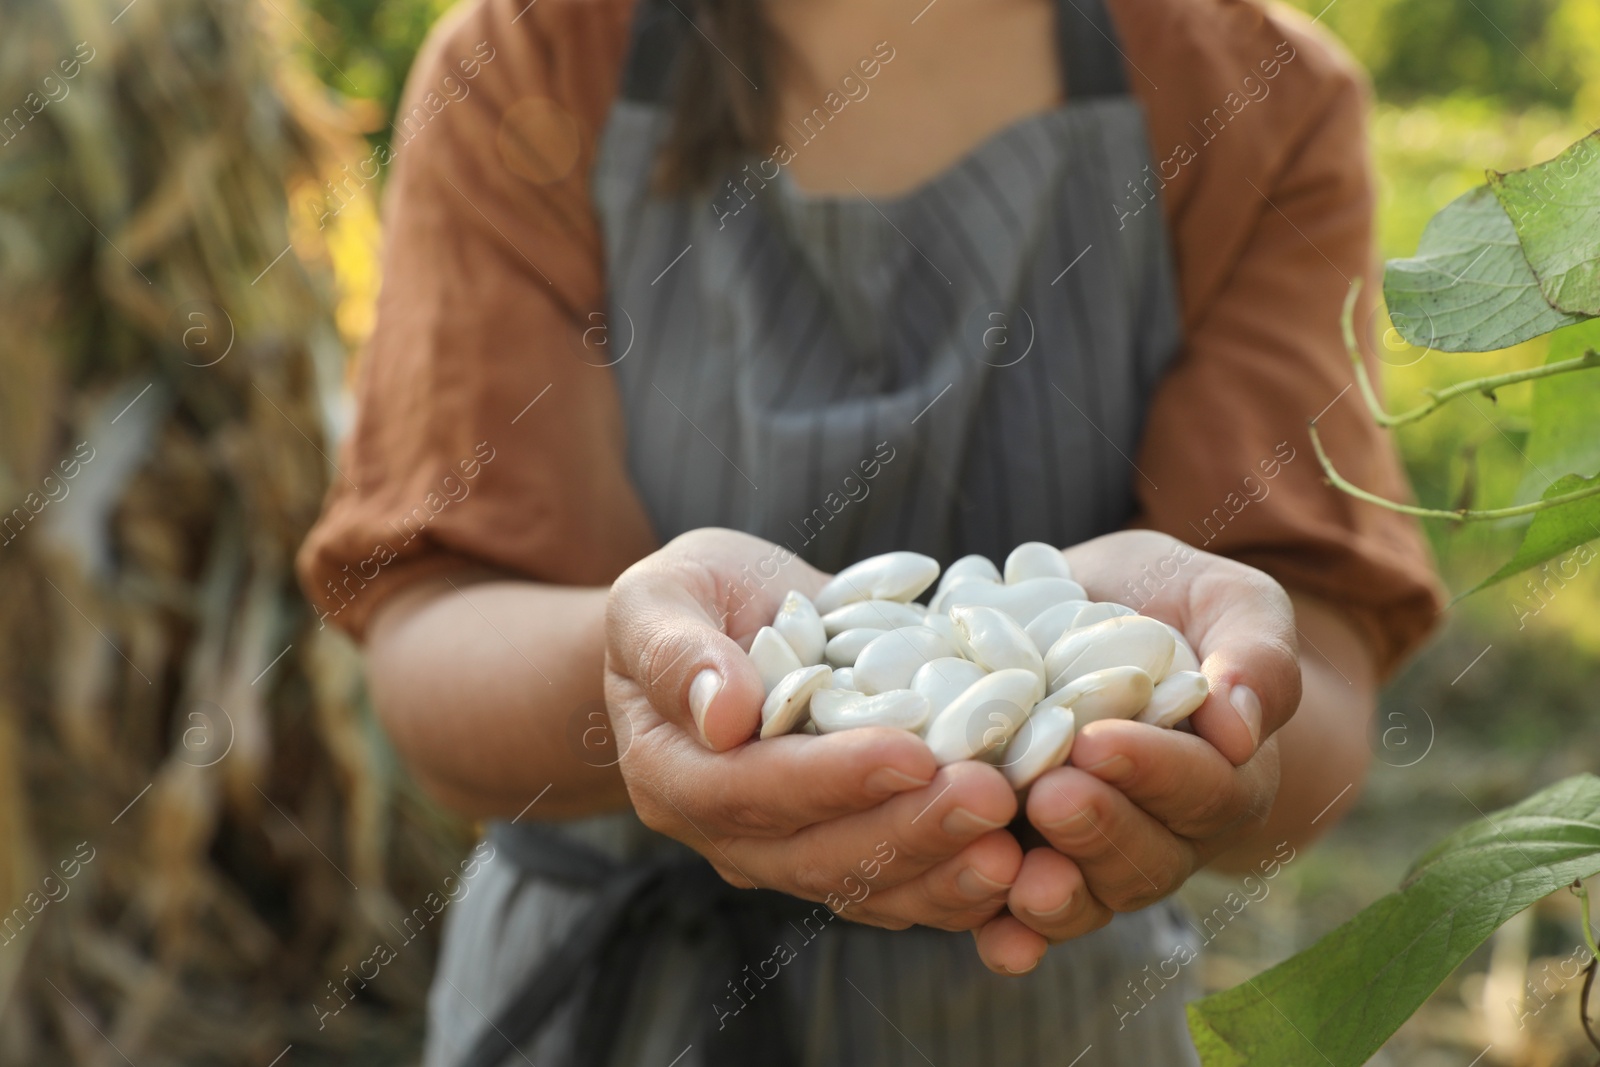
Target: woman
852	277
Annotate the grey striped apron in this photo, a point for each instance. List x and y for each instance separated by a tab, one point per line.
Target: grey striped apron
953	370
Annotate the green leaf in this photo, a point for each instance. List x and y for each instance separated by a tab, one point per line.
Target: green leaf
1564	440
1557	530
1553	208
1469	288
1564	446
1337	1002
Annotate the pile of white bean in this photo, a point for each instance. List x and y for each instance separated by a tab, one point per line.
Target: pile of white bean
1003	667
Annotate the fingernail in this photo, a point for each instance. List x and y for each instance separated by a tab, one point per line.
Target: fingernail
702	691
1075	823
962	823
1030	970
1115	769
888	781
1248	705
1057	912
976	886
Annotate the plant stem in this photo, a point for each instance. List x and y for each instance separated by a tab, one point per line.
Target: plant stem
1351	347
1487	386
1462	515
1582	894
1439	398
1583	1004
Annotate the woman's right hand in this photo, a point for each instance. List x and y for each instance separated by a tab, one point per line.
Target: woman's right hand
862	819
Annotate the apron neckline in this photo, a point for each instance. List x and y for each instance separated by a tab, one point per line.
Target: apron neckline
1017	129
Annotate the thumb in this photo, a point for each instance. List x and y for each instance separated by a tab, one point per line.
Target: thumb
1248	642
690	671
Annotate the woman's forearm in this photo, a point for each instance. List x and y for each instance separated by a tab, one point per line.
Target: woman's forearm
1324	751
491	691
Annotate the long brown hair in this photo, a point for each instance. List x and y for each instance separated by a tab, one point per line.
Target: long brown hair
723	104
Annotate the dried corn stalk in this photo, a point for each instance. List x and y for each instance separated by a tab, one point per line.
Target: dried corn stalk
202	838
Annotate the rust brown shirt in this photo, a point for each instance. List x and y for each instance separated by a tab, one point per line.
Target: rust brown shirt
482	435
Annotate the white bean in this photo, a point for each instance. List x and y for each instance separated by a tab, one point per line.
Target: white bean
984	717
1183	657
900	709
773	658
940	624
1048	626
1042	743
964	569
872	615
940	604
832	701
1035	559
786	706
1112	693
842	651
892	576
1177	697
942	680
1133	641
797	620
996	641
1100	613
889	661
1025	601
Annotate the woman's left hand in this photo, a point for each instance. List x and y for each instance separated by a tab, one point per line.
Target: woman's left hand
1137	810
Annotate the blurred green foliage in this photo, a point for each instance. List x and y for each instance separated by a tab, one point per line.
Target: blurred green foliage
1515	52
1518	52
1428	153
1465	86
363	48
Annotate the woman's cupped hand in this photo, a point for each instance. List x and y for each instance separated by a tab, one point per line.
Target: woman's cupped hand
805	815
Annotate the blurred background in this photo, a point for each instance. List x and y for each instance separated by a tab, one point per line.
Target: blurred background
203	837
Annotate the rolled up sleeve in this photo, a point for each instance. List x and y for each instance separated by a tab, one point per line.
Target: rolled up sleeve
488	430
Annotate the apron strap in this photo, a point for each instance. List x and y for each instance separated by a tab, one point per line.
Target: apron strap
658	32
1091	57
1088	50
